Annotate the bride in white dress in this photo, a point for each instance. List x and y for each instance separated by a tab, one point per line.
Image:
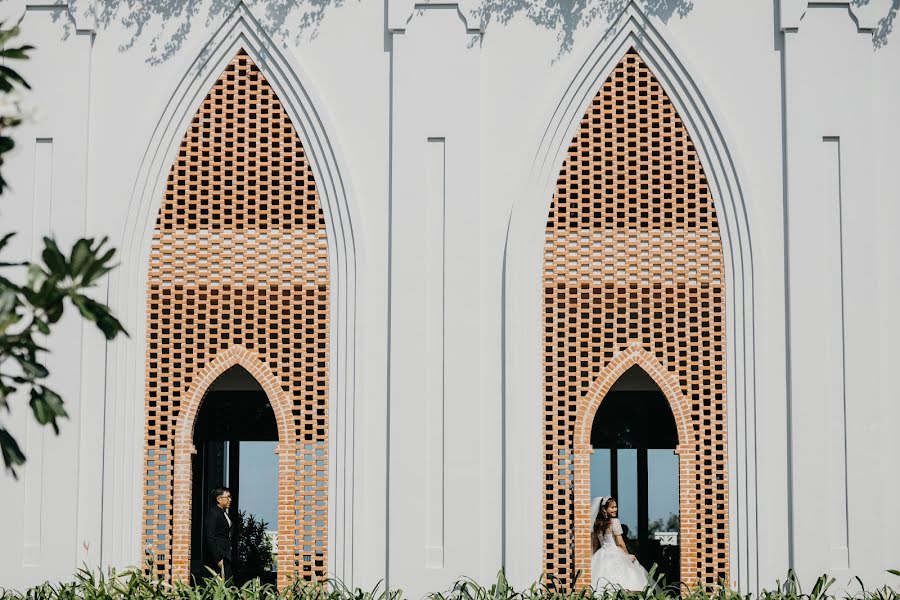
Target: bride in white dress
611	565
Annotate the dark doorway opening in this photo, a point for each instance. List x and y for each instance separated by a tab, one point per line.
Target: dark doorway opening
235	437
634	438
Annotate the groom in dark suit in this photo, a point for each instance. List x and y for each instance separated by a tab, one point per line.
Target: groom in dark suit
217	534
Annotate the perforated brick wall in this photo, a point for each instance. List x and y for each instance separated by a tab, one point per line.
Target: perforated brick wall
239	270
633	274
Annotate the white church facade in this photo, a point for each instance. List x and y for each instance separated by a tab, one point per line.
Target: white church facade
466	266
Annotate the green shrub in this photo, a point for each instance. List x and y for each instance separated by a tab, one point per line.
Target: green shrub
132	584
254	546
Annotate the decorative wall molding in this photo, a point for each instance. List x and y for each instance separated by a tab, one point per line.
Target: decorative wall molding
240	31
80	14
865	16
402	12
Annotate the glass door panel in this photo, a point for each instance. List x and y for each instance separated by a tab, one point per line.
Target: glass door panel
662	472
662	545
601	473
258	545
628	489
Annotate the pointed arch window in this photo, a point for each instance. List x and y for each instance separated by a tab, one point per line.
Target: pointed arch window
239	259
633	199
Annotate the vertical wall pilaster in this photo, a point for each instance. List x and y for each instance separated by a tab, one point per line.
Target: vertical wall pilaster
833	306
435	455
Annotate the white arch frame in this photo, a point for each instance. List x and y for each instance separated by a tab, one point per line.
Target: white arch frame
522	293
128	283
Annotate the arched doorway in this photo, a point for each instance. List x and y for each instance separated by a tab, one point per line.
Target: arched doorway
634	439
235	438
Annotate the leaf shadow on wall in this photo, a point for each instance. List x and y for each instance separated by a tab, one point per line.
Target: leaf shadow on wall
567	16
885	24
164	25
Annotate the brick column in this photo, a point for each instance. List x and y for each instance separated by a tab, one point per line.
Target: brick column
287	517
181	518
687	514
582	521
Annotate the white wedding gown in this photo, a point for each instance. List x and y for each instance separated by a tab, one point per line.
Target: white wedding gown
611	567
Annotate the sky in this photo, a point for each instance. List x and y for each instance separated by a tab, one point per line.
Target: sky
259	481
662	468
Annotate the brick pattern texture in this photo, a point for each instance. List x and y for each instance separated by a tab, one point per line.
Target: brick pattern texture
633	274
239	275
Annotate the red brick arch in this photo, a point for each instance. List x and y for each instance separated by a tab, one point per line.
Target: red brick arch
633	355
281	404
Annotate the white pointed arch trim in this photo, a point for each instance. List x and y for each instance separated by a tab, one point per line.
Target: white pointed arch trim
127	364
522	291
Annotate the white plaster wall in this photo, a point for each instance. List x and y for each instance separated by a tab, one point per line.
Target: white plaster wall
886	149
53	507
772	78
840	503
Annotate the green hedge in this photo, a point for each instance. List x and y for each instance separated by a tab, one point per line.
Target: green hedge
133	585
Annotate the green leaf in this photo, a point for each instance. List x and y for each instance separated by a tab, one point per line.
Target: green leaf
48	296
53	258
9	297
894	572
100	314
93	274
8	320
8	34
19	53
5	391
55	309
31	367
36	276
5	239
12	455
98	267
42	326
47	406
6	144
10	74
82	256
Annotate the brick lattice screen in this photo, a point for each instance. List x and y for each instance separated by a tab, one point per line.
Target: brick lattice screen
633	264
239	266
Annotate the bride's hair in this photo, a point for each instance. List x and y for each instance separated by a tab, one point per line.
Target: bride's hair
601	525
